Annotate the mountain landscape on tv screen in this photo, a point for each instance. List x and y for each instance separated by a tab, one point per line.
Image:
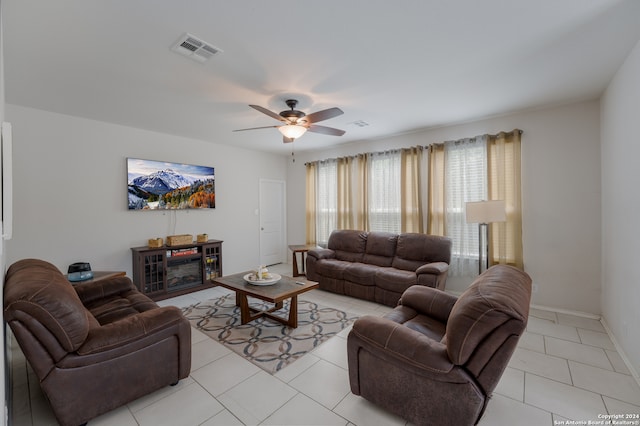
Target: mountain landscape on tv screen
150	188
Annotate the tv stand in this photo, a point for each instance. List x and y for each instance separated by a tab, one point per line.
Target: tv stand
163	272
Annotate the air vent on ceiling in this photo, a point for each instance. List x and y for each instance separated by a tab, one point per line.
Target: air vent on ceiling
360	123
195	48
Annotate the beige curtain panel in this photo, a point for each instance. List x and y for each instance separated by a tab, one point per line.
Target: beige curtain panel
436	192
503	169
346	191
310	202
361	201
411	187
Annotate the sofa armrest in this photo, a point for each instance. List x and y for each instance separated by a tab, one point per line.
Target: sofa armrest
321	253
130	329
95	290
402	343
433	268
429	301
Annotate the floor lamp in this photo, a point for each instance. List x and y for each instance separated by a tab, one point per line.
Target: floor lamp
483	213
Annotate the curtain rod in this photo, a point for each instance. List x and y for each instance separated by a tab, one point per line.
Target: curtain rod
417	146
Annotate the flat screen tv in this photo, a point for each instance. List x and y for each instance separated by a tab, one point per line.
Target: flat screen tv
160	185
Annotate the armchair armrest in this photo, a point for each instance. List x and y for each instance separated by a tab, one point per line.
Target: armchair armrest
130	329
90	291
397	341
433	268
429	301
321	253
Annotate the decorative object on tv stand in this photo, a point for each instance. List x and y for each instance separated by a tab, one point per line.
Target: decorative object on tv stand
179	240
211	267
483	213
160	185
156	242
202	238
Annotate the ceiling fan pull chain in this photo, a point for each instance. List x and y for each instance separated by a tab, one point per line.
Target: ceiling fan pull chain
293	157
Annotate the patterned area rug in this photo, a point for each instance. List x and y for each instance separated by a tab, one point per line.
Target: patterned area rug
266	343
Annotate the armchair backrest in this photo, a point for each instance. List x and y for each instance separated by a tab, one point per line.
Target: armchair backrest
46	306
486	322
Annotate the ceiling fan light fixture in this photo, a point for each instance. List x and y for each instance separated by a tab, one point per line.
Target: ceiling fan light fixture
292	131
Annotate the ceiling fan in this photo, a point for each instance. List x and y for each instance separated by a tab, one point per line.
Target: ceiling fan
296	123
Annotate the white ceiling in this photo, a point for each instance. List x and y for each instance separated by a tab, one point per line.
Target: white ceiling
399	66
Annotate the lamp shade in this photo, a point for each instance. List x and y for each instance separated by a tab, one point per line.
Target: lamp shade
292	131
486	211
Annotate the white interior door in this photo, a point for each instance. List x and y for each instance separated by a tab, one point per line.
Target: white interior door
272	222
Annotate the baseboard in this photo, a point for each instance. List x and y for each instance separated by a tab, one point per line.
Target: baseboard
567	312
622	354
550	309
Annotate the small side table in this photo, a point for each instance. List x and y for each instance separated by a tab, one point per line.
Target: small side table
100	275
302	249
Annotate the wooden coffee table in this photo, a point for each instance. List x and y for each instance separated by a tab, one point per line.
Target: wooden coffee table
286	288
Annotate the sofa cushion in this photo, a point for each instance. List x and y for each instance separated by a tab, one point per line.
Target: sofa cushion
380	249
396	280
332	268
348	244
414	250
360	273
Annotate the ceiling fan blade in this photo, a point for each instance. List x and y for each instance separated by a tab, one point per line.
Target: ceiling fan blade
326	130
287	140
325	114
267	112
255	128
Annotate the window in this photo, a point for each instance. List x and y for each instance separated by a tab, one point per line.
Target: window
384	192
326	202
396	190
466	180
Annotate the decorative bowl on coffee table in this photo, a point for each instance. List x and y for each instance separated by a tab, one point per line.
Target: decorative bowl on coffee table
270	280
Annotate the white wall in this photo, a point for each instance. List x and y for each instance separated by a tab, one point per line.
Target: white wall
561	196
2	244
70	191
620	205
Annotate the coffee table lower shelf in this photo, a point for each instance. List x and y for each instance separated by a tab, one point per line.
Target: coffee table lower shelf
286	288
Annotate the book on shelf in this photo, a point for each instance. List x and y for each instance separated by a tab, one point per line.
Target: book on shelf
182	252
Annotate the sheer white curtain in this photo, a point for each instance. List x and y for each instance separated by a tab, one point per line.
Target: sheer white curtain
383	191
326	200
466	180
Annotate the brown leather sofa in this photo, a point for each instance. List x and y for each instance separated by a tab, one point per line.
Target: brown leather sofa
94	346
436	359
379	266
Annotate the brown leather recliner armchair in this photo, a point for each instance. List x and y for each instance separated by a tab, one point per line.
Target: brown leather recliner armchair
94	346
436	359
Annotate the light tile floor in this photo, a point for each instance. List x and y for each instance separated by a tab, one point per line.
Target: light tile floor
565	368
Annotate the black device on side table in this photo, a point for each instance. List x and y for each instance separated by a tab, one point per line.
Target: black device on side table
80	271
